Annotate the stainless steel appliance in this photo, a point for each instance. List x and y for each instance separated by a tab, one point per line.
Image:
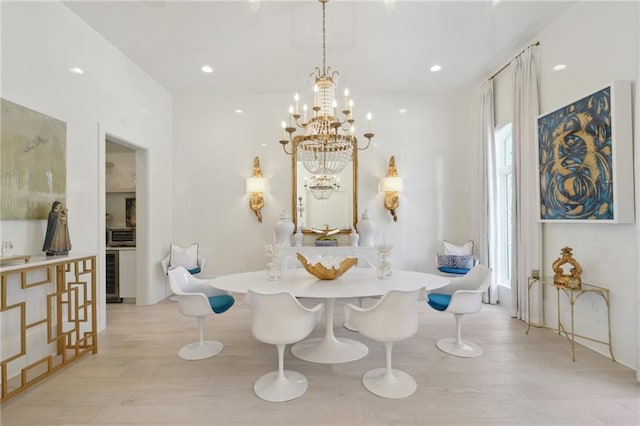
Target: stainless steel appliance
121	237
112	278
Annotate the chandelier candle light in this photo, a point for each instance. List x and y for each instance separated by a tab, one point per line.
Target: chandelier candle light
328	143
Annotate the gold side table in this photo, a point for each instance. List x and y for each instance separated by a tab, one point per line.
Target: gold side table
572	297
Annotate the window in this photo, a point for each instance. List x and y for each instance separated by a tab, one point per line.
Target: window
504	187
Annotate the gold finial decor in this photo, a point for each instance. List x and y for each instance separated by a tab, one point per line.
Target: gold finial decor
391	185
571	280
256	186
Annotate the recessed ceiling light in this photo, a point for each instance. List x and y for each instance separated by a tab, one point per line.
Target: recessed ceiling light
264	144
390	5
254	5
559	67
238	111
207	68
402	110
76	70
435	68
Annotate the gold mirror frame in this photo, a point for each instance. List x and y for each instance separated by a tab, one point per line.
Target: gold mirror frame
294	193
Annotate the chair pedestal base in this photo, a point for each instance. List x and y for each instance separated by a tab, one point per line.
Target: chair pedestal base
200	350
350	327
464	349
270	388
398	385
330	350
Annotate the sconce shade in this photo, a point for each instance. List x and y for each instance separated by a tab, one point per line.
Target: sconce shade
391	184
257	184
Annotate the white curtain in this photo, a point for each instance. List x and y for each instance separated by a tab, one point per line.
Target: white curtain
487	228
636	152
527	229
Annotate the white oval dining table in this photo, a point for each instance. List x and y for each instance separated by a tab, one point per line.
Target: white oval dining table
357	282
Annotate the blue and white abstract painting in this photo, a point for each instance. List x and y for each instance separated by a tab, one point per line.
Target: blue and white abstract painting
575	160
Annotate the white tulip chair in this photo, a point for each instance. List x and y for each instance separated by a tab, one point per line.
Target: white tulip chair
279	319
392	319
462	296
197	298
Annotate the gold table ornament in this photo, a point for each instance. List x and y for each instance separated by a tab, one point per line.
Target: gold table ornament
319	271
573	279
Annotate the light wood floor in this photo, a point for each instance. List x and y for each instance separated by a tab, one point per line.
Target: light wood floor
138	379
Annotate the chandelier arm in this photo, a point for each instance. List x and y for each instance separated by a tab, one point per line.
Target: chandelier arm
368	136
303	125
337	124
285	142
341	124
284	147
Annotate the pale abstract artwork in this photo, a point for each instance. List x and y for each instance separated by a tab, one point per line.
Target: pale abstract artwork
33	161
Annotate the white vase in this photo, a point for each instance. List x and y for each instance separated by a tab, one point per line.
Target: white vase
297	238
284	230
353	238
367	230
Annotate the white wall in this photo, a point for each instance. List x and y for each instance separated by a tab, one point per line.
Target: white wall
40	42
214	151
596	51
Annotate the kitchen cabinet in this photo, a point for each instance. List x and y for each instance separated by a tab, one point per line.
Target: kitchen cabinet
127	272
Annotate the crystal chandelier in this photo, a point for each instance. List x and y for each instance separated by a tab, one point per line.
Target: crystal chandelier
328	142
322	186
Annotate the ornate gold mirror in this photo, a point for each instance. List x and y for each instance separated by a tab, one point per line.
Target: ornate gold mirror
325	201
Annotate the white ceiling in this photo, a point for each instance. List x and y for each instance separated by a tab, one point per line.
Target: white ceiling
273	46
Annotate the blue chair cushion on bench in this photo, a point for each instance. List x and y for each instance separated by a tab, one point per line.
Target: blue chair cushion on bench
221	303
195	270
439	301
459	271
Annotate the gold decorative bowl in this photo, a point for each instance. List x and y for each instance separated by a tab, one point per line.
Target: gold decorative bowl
320	271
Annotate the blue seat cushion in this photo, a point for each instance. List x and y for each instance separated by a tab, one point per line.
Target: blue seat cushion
459	271
221	303
439	301
195	270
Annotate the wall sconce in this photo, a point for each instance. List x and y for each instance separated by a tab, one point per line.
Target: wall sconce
391	185
256	186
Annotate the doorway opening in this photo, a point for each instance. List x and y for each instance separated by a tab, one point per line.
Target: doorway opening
125	218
